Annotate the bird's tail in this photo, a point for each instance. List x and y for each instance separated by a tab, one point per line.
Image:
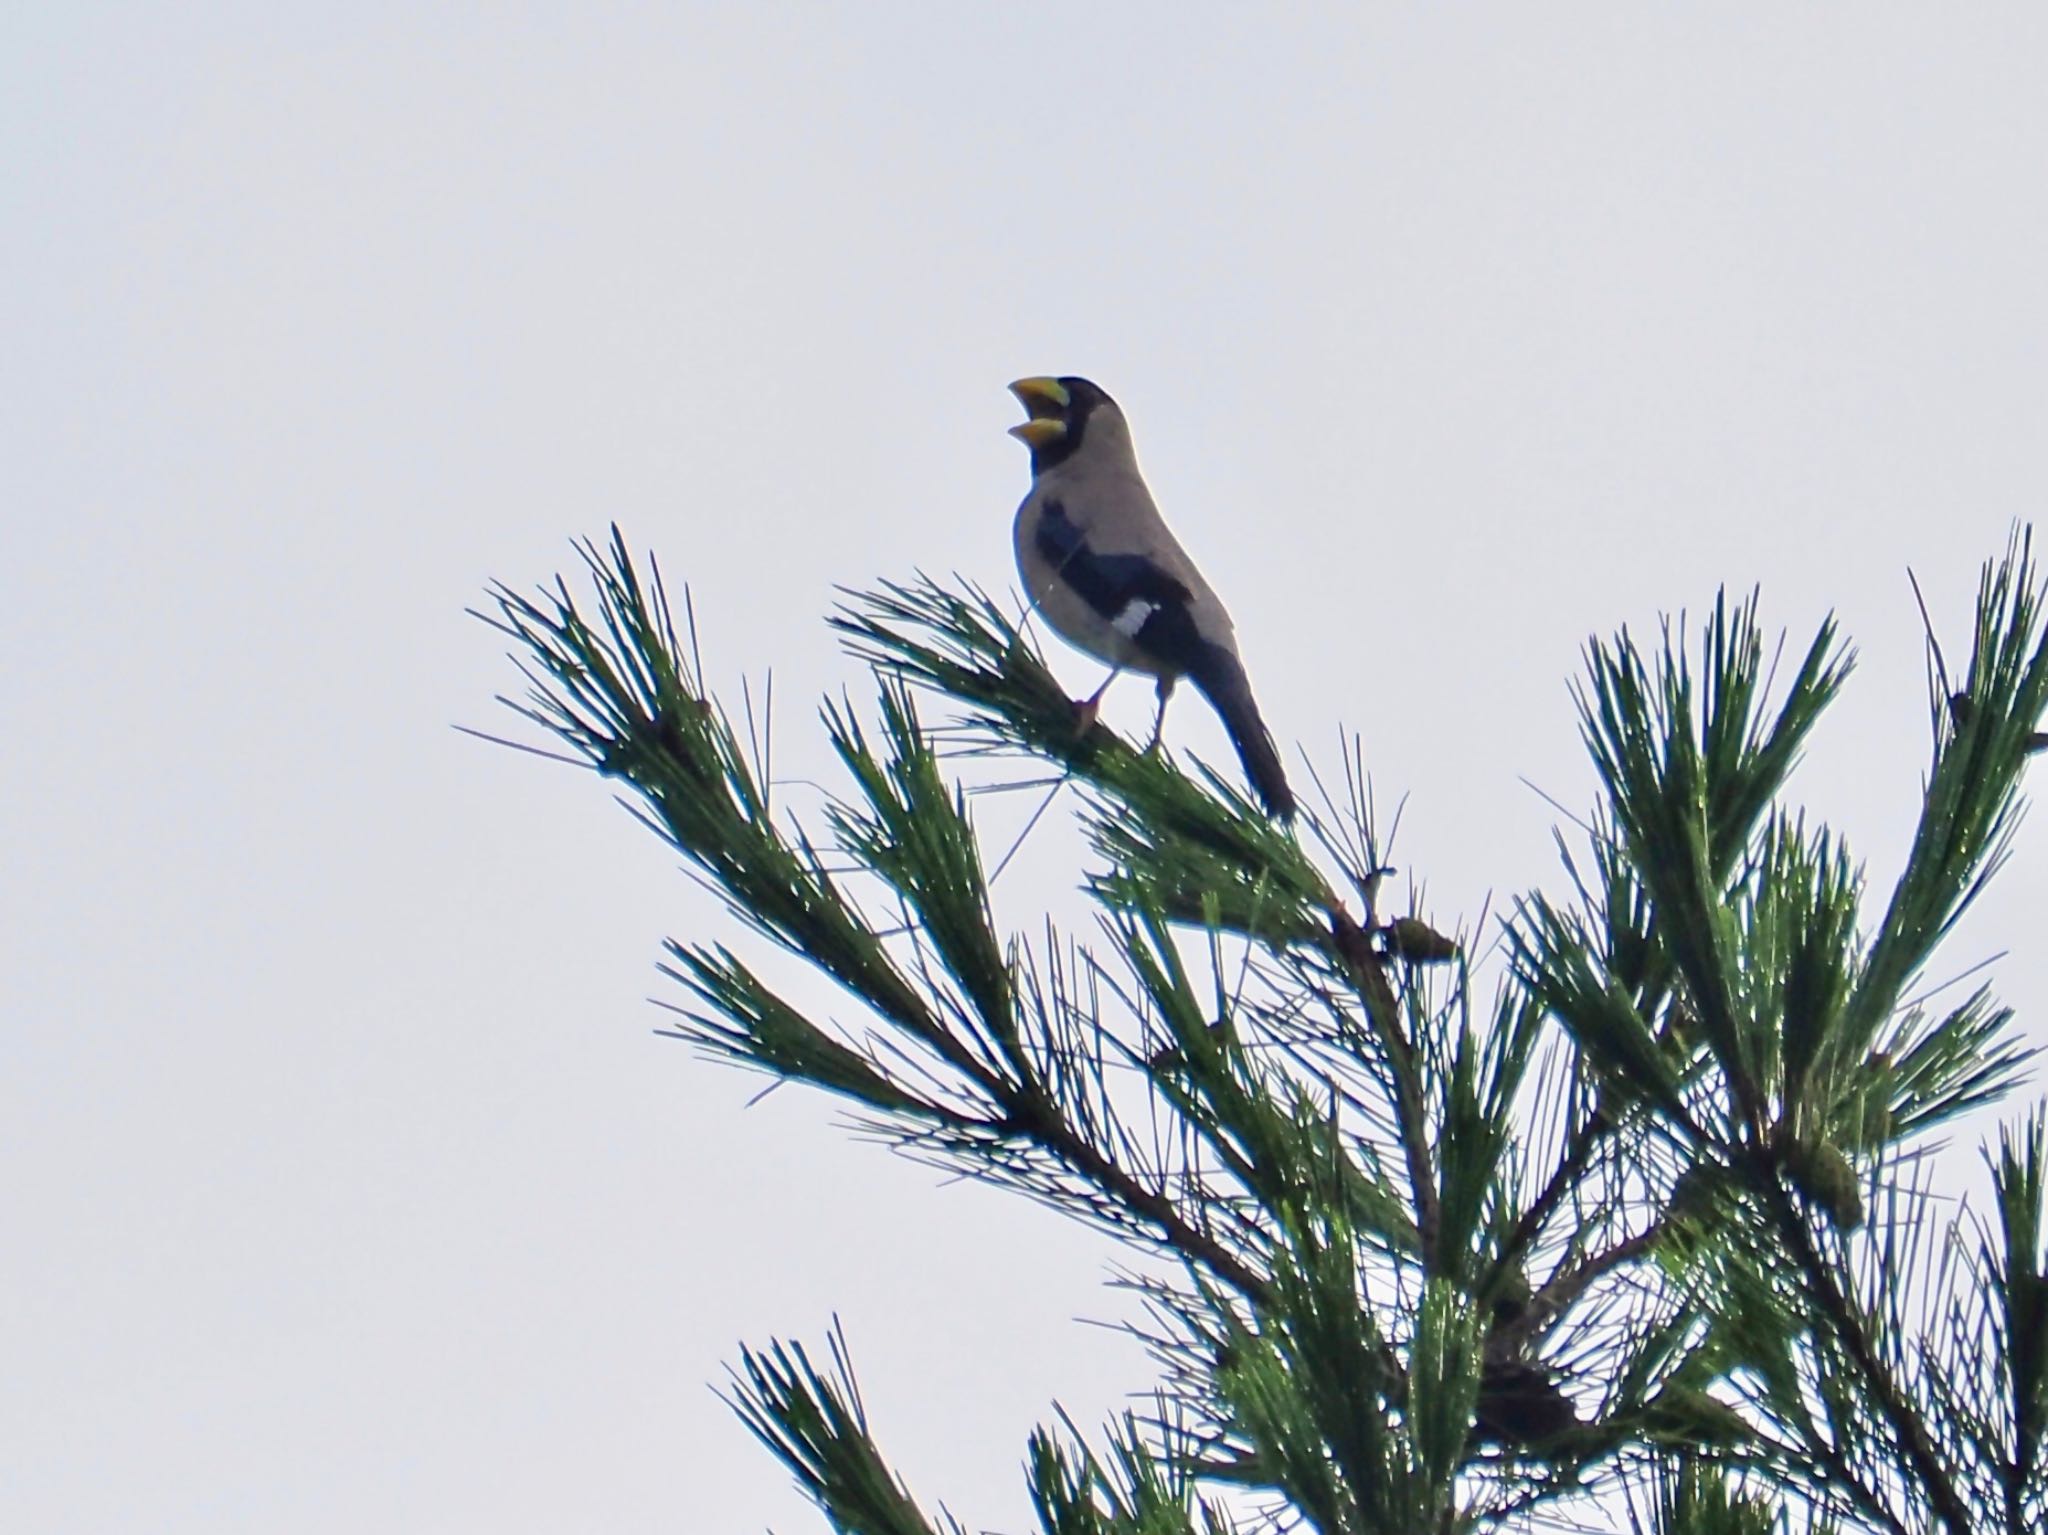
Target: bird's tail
1222	681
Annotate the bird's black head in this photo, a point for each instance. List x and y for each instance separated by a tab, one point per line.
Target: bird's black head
1060	409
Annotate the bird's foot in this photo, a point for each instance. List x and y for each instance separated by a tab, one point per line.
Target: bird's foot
1165	691
1087	710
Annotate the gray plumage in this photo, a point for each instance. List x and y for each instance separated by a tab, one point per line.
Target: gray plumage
1105	572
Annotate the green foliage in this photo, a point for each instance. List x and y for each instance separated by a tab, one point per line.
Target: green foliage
814	1423
1648	1226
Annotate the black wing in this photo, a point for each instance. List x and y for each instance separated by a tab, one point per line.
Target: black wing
1153	609
1134	594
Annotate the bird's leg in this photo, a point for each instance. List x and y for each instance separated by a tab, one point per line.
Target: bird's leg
1165	687
1088	708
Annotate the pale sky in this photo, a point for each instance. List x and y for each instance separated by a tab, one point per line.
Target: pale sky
347	1186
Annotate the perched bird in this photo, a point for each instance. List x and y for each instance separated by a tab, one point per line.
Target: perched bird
1102	568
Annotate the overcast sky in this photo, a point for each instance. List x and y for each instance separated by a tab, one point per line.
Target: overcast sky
346	1185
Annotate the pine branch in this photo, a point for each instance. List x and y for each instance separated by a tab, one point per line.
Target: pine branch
2013	1271
814	1423
1377	1319
1933	1477
1076	1492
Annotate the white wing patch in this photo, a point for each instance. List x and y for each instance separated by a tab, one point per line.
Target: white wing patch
1133	617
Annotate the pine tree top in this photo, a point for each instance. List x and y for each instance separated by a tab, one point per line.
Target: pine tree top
1644	1226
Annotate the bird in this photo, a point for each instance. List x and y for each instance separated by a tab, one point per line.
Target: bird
1101	567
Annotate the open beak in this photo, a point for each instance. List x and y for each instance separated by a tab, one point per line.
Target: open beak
1041	396
1040	432
1045	400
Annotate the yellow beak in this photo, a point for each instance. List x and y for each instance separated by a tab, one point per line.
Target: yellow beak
1041	396
1040	431
1046	400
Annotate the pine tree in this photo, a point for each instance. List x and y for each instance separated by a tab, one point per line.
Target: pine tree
1640	1220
